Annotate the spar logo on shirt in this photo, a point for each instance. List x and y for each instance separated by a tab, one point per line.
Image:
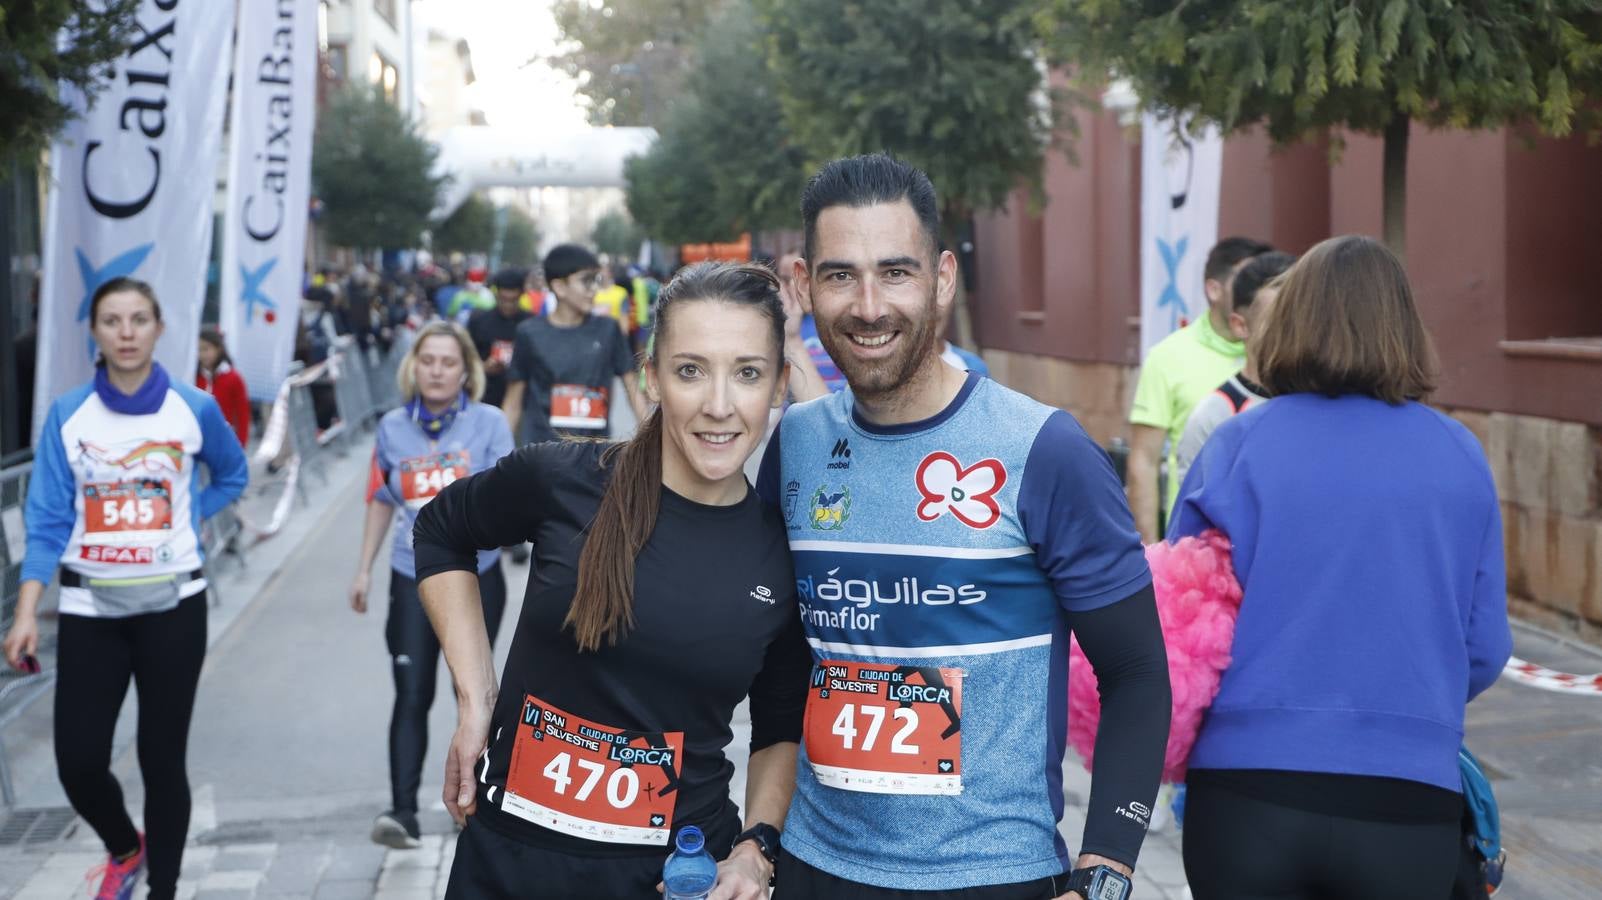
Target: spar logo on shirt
969	494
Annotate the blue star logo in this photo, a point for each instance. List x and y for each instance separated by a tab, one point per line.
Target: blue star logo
250	292
1170	296
121	267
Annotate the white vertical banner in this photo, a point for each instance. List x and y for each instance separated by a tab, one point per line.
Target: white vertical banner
269	185
1179	183
132	187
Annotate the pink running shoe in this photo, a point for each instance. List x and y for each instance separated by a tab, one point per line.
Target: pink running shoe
118	879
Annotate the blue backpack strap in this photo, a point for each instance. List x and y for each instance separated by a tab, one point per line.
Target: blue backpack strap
1481	802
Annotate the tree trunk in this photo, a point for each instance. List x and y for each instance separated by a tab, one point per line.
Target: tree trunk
1395	180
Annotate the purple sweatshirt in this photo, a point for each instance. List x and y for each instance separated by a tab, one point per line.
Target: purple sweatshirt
1368	540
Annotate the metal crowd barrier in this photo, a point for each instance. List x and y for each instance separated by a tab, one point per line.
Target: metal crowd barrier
17	689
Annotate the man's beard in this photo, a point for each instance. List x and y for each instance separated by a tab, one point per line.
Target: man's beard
878	378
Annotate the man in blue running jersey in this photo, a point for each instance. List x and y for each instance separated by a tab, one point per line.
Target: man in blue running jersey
949	534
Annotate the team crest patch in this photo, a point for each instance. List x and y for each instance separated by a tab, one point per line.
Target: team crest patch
792	491
830	510
968	494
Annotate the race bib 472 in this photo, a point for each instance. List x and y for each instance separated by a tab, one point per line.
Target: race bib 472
885	729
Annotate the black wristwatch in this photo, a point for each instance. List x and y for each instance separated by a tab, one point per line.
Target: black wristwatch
766	838
1099	883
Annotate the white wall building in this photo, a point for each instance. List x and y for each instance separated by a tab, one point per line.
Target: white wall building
372	42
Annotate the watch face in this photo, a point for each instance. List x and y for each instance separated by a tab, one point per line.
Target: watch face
1108	887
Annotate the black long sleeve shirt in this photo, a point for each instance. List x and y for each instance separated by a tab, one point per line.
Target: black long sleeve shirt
715	621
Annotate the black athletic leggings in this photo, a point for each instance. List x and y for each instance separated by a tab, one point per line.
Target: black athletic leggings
1241	848
162	653
414	657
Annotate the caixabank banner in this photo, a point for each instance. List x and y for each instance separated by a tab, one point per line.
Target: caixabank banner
269	185
132	188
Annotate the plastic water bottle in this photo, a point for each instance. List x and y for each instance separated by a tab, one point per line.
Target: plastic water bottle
690	871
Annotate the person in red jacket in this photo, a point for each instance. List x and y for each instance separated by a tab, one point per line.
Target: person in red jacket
216	376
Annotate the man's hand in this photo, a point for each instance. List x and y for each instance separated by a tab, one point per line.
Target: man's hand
493	366
467	746
358	592
1090	861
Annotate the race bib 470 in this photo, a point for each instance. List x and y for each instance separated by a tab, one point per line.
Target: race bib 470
885	729
593	781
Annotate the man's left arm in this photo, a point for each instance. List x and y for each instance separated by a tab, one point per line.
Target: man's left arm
1077	520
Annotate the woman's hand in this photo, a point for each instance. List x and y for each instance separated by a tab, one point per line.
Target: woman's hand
744	875
358	592
23	639
467	746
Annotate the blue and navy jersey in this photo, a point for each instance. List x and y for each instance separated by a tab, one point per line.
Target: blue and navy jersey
954	548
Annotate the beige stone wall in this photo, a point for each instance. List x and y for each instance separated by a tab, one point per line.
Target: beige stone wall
1548	475
1098	394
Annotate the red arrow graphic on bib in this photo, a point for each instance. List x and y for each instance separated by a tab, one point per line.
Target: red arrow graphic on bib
969	494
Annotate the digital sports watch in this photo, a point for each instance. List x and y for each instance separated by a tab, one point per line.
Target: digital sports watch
1099	883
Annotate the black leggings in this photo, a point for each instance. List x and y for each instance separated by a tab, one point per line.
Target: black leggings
414	657
162	653
1242	848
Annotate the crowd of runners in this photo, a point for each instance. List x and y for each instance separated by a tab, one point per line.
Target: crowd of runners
894	597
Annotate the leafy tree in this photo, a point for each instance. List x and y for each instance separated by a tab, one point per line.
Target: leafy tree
1375	66
727	146
469	229
615	234
630	56
43	43
952	86
669	186
373	171
520	241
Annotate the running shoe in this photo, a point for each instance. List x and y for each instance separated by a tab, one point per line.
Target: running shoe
398	830
118	879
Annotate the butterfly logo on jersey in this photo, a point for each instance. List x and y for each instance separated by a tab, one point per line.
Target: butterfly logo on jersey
969	493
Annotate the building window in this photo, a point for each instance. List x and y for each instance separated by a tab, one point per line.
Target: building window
383	75
338	62
385	10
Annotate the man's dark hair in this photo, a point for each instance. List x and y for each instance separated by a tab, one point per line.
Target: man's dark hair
1227	254
565	259
867	181
1261	270
510	279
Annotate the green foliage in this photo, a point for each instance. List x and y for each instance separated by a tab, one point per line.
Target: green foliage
630	57
43	43
952	86
469	229
616	235
1300	66
520	241
726	162
373	172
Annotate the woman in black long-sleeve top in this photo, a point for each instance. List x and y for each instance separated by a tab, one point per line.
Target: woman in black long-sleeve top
663	595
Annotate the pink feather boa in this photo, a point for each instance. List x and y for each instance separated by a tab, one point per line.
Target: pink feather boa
1197	601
